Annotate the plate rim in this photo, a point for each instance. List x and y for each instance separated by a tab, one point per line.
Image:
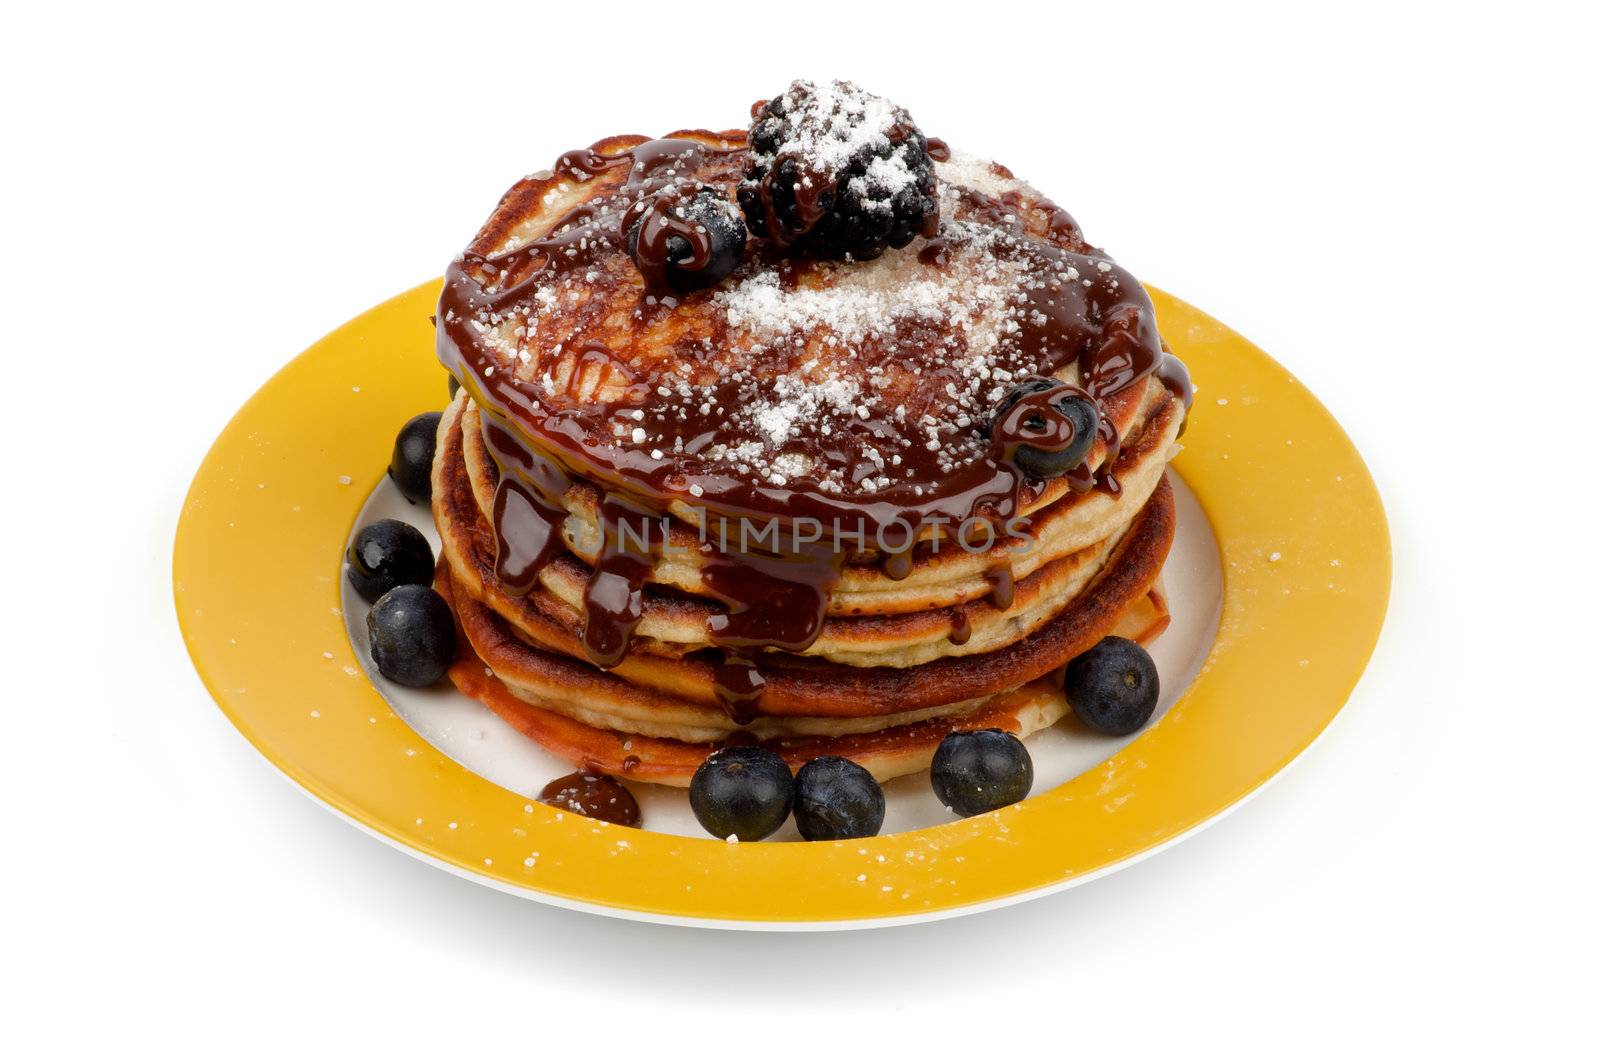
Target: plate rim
925	862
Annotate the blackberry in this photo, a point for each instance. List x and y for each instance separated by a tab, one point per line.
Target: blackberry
836	171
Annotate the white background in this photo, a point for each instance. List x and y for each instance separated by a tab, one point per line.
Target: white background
1397	203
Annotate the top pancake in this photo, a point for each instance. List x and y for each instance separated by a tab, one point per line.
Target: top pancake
793	379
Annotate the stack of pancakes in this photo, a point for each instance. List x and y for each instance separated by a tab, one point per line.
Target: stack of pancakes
909	645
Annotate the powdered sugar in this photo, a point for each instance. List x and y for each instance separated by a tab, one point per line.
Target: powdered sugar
884	178
834	122
979	174
795	400
923	353
852	309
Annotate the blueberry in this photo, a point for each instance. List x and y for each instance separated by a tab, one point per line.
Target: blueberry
413	635
742	791
1113	687
1071	412
725	229
411	467
975	772
836	799
386	554
1044	463
1032	385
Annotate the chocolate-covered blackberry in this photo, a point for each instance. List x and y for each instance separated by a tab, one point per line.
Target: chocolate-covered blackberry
837	171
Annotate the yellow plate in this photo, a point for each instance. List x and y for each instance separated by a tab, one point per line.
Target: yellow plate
256	569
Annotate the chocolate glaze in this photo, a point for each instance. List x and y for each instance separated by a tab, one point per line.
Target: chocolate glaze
527	512
899	564
738	682
772	599
1174	375
613	599
1002	587
595	795
778	597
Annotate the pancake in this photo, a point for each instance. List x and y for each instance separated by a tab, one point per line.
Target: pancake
938	576
672	624
565	728
795	685
894	427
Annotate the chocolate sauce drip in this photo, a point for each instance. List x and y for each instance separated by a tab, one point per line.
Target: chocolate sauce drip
897	566
898	543
528	535
528	515
613	599
1081	479
813	198
1085	309
1105	479
1174	375
1002	587
738	682
960	627
774	601
593	794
